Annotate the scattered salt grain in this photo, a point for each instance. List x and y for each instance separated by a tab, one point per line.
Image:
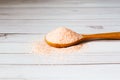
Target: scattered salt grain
61	35
42	47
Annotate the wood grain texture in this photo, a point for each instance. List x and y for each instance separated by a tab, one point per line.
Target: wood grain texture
99	72
59	13
61	3
55	59
41	28
25	21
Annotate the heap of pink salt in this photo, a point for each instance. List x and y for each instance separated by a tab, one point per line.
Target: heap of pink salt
61	35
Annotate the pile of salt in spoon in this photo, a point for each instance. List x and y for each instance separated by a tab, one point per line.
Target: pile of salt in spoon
60	35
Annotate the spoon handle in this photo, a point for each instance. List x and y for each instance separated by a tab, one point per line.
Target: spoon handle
112	35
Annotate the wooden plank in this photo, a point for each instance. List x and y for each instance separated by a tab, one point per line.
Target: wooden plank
85	72
70	10
20	37
45	29
60	3
44	26
58	59
15	47
49	23
59	13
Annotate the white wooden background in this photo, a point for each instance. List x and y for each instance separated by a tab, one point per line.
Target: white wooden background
25	21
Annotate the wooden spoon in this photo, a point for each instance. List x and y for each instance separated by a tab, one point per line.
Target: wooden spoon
88	37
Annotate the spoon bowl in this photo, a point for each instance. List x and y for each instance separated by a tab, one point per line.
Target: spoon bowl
58	45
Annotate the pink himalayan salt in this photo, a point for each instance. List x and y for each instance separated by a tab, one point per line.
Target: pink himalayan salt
63	35
42	47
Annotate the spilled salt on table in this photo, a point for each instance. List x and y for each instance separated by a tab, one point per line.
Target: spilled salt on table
43	47
60	35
